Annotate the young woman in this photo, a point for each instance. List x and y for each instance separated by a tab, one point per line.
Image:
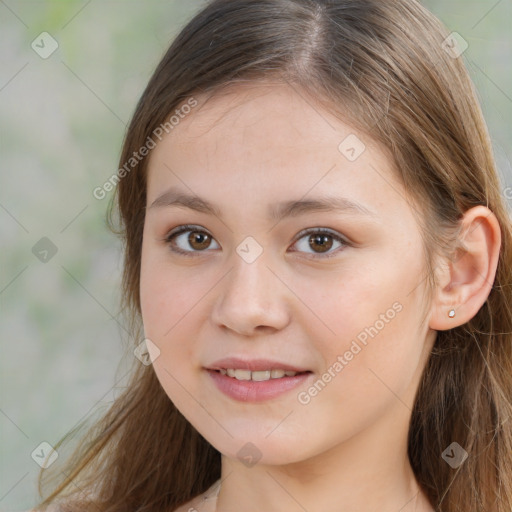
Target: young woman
318	259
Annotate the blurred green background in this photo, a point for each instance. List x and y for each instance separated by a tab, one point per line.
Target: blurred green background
63	121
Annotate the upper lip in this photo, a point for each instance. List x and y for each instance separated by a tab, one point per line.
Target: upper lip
253	364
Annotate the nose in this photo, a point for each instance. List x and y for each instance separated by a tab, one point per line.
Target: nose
252	299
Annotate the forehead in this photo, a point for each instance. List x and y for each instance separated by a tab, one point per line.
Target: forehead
270	118
273	115
271	139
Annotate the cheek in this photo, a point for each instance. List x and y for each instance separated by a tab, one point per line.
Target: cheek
166	324
165	294
172	313
373	324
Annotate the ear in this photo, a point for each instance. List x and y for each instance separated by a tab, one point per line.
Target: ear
465	282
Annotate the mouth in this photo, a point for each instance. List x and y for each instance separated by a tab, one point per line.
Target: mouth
256	386
260	375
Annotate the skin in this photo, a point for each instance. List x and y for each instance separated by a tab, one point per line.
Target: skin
245	150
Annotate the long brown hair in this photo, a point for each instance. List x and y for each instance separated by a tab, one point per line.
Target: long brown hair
382	66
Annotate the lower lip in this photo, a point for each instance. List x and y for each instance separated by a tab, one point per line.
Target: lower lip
256	391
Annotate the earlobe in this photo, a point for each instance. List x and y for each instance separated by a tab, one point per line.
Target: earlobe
466	281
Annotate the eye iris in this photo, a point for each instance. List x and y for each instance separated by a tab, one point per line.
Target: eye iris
200	238
321	239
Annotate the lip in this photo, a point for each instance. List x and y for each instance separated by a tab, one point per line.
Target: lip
253	364
255	391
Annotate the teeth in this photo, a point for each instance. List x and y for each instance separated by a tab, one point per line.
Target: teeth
261	375
242	374
257	376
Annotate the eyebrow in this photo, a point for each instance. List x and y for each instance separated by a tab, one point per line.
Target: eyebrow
277	212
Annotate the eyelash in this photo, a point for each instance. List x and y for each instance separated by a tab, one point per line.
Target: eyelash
187	227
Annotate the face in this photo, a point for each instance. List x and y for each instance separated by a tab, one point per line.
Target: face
336	292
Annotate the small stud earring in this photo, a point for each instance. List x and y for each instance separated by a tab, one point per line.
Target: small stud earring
451	313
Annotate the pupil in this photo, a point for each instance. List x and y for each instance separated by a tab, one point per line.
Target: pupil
321	239
199	238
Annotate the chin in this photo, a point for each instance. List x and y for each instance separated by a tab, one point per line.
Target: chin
260	450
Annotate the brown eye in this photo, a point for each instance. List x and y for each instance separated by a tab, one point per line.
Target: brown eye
317	241
200	238
197	240
321	242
